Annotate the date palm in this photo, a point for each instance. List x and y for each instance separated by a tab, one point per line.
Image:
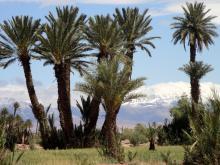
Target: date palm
135	29
196	71
16	42
60	45
195	28
104	38
115	90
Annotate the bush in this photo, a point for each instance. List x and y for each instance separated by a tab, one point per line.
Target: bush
16	129
173	133
136	136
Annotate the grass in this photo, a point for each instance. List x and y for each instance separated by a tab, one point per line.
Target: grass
92	157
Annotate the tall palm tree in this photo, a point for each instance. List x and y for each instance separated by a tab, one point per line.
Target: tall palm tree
196	30
196	71
60	45
16	42
115	89
104	38
135	28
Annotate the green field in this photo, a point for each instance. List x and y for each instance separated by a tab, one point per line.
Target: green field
91	156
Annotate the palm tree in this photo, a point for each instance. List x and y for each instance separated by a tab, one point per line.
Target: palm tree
104	38
195	28
17	40
152	133
60	45
135	28
84	108
196	71
115	89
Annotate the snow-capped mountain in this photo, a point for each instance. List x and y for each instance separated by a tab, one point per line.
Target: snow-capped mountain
152	108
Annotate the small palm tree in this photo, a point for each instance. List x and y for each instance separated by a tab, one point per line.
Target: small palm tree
195	28
115	89
60	45
135	29
196	71
104	38
16	42
152	133
84	108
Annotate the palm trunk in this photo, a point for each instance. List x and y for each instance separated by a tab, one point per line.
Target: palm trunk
192	81
93	114
108	133
152	144
91	126
37	108
195	94
63	102
67	75
130	55
192	53
195	91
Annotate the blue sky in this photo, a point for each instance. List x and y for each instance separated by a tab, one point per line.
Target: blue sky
166	58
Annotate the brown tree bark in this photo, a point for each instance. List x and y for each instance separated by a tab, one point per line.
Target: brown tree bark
37	108
108	133
192	53
89	140
152	144
63	101
194	90
93	113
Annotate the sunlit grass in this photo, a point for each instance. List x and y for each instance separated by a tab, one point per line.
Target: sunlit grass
91	156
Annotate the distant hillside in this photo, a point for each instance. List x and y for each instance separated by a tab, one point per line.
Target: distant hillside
154	107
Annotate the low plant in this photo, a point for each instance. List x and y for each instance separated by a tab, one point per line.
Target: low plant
83	159
166	158
106	153
131	155
7	157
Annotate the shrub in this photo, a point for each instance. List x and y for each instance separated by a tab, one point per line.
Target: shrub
16	129
105	152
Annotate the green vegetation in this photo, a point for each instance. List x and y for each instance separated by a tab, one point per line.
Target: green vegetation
14	128
67	157
16	43
115	90
66	40
205	134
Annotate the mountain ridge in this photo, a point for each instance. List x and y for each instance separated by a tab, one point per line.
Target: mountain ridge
153	108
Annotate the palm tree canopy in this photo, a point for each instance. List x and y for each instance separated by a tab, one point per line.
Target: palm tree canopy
196	70
104	36
135	27
17	39
110	79
195	27
61	39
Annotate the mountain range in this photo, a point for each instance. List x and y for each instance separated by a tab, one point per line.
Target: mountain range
152	108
